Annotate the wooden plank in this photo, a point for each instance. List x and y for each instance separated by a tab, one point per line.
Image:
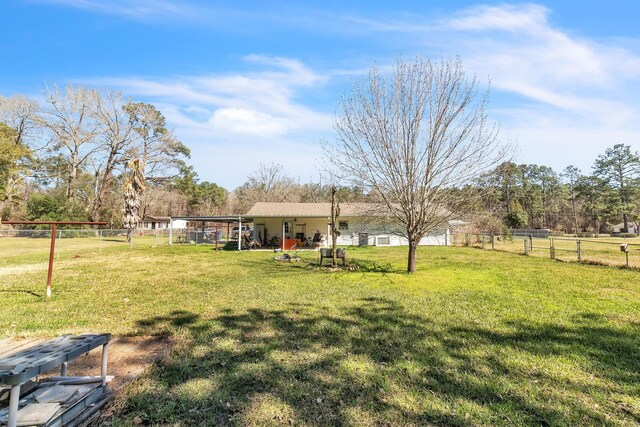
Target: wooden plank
37	413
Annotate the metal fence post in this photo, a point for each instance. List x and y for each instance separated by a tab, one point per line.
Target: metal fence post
530	243
482	240
579	248
493	247
99	241
551	249
526	246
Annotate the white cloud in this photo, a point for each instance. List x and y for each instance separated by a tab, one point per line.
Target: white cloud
574	95
139	10
563	96
245	121
253	113
505	17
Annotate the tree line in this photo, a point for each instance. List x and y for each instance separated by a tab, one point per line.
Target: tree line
571	201
65	157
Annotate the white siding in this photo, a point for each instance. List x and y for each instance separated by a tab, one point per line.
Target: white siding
179	224
350	235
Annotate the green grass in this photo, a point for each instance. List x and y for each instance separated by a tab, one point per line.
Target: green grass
602	250
473	338
35	250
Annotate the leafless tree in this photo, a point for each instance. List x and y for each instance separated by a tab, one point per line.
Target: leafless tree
114	146
68	117
19	113
413	141
268	184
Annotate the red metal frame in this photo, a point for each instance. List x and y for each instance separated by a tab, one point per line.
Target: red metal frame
54	228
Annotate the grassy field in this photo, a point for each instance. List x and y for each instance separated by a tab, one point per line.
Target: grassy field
33	250
473	338
601	250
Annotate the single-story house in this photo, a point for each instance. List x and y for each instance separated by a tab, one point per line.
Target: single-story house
358	224
162	223
631	225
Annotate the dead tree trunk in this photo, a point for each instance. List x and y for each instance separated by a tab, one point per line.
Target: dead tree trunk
411	262
335	212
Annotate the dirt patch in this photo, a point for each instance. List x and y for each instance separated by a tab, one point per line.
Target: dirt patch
128	357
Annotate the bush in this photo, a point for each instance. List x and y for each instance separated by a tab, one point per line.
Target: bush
624	235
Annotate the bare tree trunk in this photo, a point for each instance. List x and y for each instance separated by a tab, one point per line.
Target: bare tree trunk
411	263
73	176
335	211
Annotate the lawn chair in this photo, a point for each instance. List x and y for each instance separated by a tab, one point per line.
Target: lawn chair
327	253
250	243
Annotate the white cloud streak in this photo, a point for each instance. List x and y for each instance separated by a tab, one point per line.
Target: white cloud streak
564	97
246	118
138	10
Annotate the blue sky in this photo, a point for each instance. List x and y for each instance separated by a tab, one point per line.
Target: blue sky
256	81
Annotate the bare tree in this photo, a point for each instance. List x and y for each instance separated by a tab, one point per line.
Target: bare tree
414	141
268	184
68	116
114	145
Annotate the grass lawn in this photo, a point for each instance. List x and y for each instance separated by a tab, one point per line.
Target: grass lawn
473	338
33	250
601	250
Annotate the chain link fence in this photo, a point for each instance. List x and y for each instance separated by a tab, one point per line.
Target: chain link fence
621	252
28	246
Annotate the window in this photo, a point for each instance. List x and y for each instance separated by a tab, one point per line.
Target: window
287	227
383	241
343	225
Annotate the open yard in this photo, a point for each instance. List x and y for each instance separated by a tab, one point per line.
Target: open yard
594	250
473	338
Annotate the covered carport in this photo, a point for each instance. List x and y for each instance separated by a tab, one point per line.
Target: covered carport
230	220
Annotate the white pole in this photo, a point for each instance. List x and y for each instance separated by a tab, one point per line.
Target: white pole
283	220
59	237
239	233
329	235
170	231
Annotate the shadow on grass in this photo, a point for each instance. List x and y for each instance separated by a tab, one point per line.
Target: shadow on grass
369	266
21	291
376	363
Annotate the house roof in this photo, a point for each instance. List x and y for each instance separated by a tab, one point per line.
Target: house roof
156	218
311	210
319	210
630	223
